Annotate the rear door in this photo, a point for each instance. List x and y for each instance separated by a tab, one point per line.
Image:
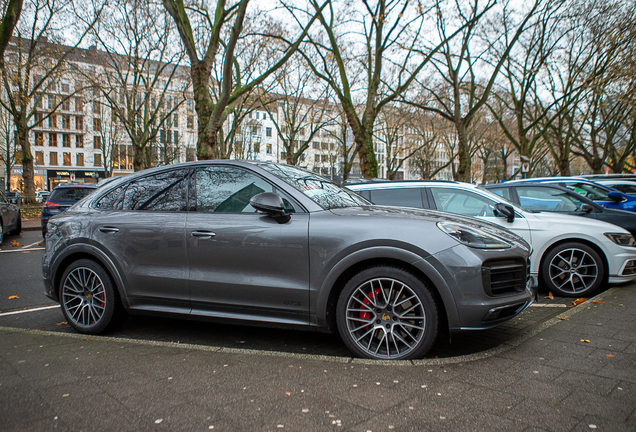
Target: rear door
141	226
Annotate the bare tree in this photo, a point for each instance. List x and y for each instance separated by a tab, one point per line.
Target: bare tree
466	67
213	43
37	61
141	81
11	11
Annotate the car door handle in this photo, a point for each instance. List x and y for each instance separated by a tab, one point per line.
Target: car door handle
109	229
203	234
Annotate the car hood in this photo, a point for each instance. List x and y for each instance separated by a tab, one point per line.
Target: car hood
571	222
434	216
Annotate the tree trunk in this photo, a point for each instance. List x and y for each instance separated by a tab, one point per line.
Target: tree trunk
463	153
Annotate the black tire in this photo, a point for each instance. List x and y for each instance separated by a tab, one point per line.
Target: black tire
88	298
18	227
403	322
572	270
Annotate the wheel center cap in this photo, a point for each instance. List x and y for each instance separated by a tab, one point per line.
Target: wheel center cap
386	317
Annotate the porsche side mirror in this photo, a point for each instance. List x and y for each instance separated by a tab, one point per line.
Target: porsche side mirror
272	204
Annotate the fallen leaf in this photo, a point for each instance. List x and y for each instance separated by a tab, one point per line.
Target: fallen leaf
13	297
578	301
597	302
288	393
610	355
40	244
585	340
15	243
550	296
562	318
62	323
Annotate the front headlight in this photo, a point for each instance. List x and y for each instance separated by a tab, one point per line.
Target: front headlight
472	237
621	239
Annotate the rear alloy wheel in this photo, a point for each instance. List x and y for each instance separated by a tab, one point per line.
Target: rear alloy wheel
87	297
385	313
573	270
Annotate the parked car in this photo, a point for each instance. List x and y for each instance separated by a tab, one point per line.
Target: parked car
62	197
572	256
555	198
628	187
13	197
600	194
10	220
42	196
271	244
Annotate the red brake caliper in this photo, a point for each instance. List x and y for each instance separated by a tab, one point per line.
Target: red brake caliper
367	315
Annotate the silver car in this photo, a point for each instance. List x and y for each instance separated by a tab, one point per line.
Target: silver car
272	244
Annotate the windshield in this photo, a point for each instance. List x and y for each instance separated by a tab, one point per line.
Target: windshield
324	192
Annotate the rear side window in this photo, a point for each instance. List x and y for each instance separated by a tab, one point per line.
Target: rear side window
502	192
407	197
227	189
159	192
70	194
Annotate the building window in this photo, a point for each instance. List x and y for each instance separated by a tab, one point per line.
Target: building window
39	158
317	158
97	124
66	105
53	158
175	120
268	131
257	147
97	142
37	119
190	122
269	148
97	161
66	140
65	86
79	123
66	121
52	102
52	140
79	105
176	137
79	141
283	155
67	158
53	121
80	159
39	139
95	107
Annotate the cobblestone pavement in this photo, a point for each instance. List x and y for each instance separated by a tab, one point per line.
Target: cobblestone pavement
573	373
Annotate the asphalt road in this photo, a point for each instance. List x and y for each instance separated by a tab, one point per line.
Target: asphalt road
21	271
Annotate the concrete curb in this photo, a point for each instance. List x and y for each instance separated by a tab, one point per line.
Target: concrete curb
506	346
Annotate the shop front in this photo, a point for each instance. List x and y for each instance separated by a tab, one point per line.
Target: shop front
17	182
56	177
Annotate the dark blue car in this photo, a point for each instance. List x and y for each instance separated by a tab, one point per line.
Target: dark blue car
600	194
62	197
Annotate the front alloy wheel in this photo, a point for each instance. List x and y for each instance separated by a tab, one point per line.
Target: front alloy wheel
87	297
385	313
573	270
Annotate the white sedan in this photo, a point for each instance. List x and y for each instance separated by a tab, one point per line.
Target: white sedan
571	255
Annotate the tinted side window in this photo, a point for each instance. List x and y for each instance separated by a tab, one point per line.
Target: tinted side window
227	189
410	197
160	192
462	202
546	199
502	192
113	200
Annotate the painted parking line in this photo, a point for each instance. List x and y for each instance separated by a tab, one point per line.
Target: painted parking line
555	305
29	310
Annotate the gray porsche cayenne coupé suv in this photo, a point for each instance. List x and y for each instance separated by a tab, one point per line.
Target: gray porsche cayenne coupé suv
272	244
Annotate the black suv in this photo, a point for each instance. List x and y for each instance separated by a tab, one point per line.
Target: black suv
62	197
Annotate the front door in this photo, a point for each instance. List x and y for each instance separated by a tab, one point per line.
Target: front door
245	264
